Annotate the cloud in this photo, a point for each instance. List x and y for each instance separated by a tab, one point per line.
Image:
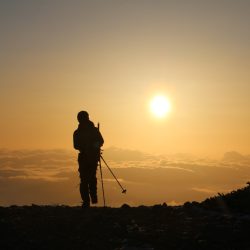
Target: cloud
118	154
204	190
236	158
51	177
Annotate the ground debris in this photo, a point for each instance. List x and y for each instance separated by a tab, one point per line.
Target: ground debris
191	226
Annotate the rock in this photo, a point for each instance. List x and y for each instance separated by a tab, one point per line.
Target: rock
125	206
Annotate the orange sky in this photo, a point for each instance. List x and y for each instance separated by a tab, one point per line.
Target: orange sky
110	58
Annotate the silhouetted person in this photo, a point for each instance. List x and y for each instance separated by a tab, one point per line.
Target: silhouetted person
88	140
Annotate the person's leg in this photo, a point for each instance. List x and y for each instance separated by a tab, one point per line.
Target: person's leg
84	187
93	182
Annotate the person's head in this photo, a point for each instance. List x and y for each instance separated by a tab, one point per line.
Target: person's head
82	116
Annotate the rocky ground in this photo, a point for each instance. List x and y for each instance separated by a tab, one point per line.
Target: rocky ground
221	222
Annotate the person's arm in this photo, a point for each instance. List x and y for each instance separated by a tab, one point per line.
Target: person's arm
101	140
76	141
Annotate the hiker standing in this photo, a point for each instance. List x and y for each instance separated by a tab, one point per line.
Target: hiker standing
88	140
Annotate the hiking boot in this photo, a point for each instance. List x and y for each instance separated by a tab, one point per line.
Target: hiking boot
94	199
85	205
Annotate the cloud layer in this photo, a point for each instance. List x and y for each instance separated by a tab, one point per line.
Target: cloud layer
51	177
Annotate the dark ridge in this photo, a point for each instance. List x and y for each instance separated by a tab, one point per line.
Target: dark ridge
236	201
191	226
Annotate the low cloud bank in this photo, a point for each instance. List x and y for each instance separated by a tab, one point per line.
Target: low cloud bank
51	177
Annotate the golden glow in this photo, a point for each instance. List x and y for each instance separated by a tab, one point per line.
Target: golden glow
160	106
114	73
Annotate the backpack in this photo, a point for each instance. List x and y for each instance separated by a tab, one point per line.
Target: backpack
87	138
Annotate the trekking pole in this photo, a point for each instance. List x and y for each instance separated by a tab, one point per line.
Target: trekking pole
100	164
103	194
123	190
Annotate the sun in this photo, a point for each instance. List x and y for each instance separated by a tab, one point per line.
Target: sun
160	106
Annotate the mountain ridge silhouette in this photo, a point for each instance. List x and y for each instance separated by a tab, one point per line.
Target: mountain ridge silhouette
204	225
